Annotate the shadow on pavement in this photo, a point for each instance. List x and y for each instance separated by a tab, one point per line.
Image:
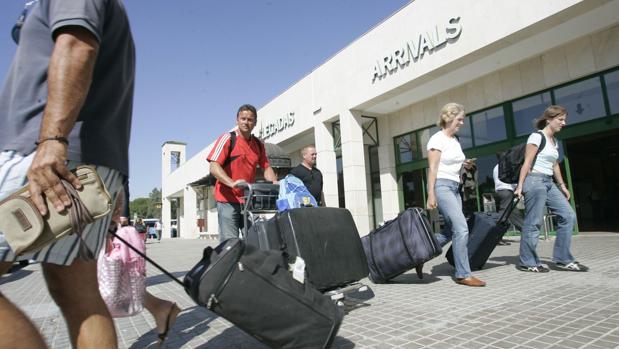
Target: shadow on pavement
191	322
507	260
412	278
233	337
162	278
443	269
242	340
342	343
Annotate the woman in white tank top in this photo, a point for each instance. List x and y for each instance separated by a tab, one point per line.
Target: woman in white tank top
536	183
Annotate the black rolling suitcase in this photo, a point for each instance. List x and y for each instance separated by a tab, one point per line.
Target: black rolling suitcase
254	290
486	229
264	234
401	244
326	238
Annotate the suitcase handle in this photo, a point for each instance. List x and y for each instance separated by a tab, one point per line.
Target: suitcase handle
508	210
148	259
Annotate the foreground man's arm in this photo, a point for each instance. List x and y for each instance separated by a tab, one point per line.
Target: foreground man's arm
69	78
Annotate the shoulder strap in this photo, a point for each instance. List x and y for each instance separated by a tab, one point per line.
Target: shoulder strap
262	147
542	144
230	148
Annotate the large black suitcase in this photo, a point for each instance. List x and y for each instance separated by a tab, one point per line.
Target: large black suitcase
328	241
486	229
264	234
401	244
254	290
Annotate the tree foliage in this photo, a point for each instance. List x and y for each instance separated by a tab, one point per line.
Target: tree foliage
149	207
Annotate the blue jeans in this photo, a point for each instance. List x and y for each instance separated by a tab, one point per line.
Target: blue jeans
456	229
230	220
539	190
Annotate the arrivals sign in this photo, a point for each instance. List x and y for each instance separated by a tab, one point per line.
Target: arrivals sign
276	126
415	48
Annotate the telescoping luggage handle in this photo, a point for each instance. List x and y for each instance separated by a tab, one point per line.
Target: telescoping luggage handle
508	210
259	189
212	299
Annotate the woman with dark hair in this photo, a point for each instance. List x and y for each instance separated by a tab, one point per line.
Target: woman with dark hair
536	183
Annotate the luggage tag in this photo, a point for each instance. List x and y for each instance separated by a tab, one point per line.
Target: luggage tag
298	270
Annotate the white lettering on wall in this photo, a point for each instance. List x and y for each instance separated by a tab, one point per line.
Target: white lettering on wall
414	49
276	126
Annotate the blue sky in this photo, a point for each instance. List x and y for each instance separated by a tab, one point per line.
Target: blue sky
198	60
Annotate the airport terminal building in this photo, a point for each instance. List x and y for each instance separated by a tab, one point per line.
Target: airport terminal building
371	108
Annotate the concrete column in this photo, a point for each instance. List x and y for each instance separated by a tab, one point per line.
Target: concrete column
388	175
353	161
166	213
167	149
323	140
189	228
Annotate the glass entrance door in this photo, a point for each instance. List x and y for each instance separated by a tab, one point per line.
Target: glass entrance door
594	164
413	188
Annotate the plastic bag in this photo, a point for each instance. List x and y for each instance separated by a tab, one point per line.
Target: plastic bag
294	194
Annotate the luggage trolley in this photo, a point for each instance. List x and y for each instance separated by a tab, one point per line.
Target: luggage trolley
261	205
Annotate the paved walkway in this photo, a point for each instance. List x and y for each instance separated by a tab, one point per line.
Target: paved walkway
516	310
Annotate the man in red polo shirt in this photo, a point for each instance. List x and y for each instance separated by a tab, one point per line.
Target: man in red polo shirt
234	169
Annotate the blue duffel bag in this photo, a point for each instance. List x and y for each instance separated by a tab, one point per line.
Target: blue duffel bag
294	194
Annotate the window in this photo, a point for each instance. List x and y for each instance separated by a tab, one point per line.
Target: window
612	88
583	100
489	126
377	203
407	148
424	137
340	181
464	135
528	109
413	183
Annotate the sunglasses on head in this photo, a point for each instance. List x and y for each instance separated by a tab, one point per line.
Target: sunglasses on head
20	21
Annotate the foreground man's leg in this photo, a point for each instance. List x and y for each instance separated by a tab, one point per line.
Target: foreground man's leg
16	330
76	291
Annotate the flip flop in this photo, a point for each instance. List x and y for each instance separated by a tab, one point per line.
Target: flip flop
171	319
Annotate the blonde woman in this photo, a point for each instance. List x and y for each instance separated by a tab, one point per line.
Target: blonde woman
445	158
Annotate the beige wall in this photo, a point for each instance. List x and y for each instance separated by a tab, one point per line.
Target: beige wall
582	57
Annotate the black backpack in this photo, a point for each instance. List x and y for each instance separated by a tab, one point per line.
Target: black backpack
512	159
210	179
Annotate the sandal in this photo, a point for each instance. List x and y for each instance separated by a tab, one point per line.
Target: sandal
170	320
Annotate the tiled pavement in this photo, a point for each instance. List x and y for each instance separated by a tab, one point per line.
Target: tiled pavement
516	310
